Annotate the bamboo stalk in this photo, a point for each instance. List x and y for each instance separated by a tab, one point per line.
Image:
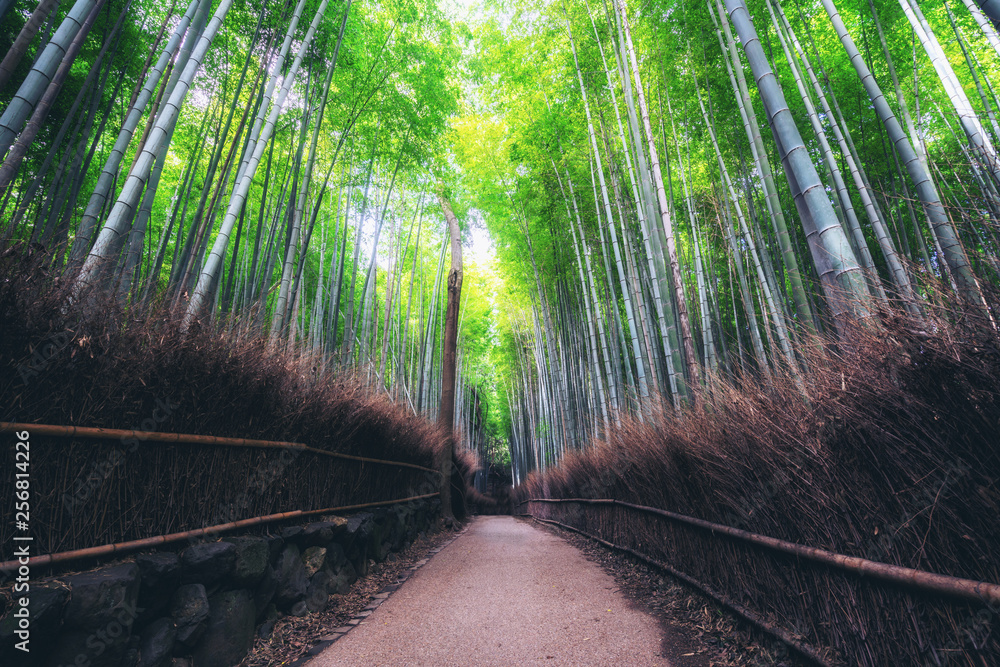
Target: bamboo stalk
189	439
978	591
134	545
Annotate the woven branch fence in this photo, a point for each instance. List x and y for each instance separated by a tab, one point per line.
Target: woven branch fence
94	486
868	613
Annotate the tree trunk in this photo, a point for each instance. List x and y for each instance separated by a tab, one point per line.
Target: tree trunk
112	233
13	162
771	199
446	414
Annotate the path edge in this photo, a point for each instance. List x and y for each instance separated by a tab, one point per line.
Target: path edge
386	591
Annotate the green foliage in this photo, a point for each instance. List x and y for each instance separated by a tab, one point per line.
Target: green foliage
488	109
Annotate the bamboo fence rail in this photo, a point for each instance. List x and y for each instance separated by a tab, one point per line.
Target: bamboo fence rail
969	589
59	431
54	431
148	542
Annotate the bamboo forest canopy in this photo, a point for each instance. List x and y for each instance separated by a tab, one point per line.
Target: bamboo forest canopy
657	195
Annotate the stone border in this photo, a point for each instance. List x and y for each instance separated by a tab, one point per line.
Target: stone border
359	618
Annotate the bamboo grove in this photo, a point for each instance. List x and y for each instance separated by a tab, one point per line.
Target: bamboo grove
676	191
266	167
687	191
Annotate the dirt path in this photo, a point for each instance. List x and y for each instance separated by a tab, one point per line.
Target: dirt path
504	593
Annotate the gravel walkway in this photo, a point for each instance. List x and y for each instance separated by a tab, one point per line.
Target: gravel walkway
503	593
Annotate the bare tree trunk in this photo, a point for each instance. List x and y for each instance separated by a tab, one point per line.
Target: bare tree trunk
446	415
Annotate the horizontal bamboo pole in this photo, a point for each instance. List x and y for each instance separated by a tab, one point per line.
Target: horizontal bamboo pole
189	439
805	650
380	503
969	589
149	542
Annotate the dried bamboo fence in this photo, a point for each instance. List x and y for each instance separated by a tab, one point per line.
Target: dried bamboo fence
807	597
129	489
